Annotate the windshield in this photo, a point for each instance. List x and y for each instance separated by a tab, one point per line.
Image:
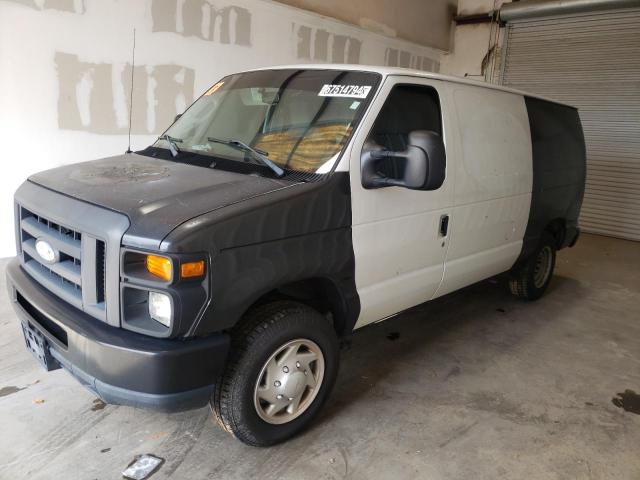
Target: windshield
300	120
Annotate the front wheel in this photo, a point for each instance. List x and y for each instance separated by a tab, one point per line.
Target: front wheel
532	279
283	364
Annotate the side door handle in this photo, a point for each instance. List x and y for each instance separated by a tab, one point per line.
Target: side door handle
444	225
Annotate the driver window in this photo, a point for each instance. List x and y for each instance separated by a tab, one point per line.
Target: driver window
407	108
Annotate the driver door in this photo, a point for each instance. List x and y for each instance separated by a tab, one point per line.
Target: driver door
400	236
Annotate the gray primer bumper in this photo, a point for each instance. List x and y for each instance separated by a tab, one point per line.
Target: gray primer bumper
121	367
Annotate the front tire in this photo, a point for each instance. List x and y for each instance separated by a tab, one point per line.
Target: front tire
532	279
282	366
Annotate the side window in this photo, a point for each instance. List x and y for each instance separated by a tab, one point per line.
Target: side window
408	108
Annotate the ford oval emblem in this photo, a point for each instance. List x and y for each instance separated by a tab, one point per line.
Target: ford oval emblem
46	251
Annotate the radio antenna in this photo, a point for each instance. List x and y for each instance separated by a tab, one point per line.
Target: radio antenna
133	68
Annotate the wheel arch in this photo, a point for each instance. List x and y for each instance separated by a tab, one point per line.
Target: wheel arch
321	293
558	229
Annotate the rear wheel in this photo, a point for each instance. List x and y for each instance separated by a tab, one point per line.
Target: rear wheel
283	364
532	279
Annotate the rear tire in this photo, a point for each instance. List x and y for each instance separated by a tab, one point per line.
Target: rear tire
532	279
282	366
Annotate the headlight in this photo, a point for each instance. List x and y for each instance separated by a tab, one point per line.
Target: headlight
160	308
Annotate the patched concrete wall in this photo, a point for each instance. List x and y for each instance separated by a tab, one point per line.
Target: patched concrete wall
76	6
95	97
406	59
65	70
424	22
320	45
200	18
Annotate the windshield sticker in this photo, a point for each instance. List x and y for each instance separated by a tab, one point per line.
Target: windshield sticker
201	148
214	89
355	105
349	91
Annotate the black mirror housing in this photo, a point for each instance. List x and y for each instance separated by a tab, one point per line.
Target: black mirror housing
433	146
424	169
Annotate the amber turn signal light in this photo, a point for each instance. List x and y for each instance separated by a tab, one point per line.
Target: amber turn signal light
192	269
160	267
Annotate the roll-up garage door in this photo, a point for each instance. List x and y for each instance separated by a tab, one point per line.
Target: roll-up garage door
591	61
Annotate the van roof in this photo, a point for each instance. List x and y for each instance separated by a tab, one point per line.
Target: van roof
387	71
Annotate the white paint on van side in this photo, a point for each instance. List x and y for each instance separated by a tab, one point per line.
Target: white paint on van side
399	252
493	180
401	258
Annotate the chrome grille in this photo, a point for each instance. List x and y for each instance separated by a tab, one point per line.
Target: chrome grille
78	275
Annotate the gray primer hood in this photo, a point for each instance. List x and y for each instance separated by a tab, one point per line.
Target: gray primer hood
157	195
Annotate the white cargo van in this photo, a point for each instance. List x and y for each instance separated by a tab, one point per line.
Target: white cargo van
284	209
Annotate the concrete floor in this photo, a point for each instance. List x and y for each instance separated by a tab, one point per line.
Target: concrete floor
473	385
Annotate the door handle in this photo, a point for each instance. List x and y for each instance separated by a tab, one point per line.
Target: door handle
444	225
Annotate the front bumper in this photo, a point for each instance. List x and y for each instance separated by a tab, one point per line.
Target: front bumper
121	367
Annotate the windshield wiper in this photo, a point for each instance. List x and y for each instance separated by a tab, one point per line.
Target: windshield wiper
173	144
259	155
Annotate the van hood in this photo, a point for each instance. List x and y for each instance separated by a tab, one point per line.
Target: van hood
157	195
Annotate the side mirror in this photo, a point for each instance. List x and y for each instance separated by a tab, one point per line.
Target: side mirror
424	163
